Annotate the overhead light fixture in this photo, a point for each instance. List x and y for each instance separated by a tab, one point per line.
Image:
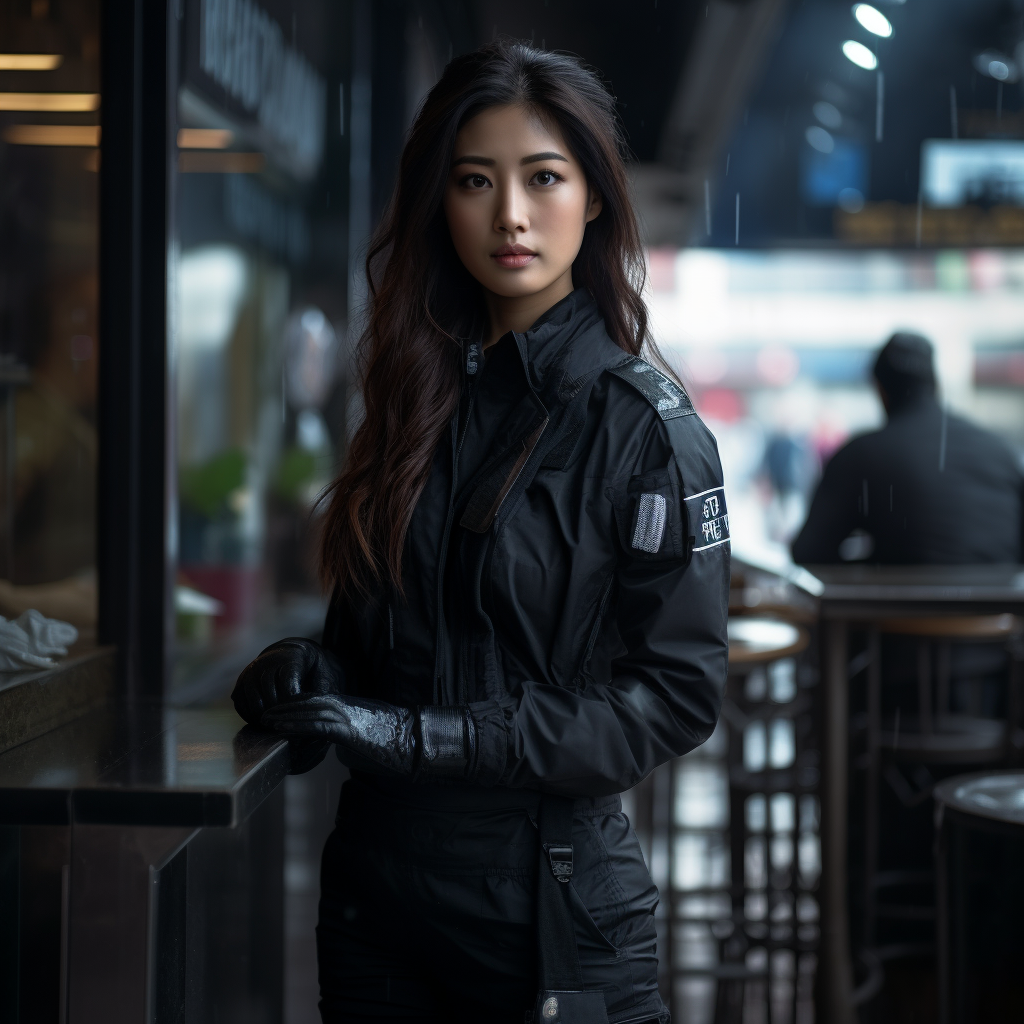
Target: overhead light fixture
58	102
860	55
204	138
30	61
873	20
52	134
819	139
828	114
997	65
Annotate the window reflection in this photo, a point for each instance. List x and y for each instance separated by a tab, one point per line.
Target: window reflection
258	364
49	340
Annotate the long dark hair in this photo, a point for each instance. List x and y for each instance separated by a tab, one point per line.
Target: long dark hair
422	299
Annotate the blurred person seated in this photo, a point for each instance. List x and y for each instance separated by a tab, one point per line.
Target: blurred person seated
929	488
55	464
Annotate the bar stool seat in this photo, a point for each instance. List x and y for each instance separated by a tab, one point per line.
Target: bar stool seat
756	641
954	627
951	739
933	734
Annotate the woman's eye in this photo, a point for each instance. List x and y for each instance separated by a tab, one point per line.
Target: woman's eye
546	178
475	181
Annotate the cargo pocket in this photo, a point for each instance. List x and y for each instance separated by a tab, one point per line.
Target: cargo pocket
612	913
619	897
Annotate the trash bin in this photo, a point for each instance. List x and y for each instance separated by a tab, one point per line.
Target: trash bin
980	845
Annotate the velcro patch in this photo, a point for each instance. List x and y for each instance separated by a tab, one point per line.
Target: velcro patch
709	518
650	523
670	400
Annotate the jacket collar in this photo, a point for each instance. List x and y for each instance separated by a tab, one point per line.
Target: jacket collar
568	341
920	404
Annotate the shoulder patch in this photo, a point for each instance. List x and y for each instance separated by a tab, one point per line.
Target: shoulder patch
708	511
667	397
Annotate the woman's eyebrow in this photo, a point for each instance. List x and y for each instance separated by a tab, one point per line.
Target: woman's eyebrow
538	157
487	161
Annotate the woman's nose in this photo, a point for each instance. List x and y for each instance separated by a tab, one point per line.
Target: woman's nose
512	216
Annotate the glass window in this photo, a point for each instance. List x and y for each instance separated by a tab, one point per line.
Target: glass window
49	134
260	295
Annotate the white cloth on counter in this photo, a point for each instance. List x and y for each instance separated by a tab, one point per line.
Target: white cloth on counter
33	641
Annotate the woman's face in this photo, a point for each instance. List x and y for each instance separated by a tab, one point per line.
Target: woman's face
517	202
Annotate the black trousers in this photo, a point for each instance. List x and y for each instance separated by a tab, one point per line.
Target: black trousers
428	908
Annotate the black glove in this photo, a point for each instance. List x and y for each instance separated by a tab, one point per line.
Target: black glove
305	753
288	670
427	742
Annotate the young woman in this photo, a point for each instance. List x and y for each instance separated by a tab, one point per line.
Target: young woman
529	554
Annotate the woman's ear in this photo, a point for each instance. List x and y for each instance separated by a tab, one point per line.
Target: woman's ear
595	207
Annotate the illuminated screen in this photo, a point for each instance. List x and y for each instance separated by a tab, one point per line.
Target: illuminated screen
955	172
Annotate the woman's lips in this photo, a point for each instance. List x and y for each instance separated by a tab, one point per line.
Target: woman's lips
513	257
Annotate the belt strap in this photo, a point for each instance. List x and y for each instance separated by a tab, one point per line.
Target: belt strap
559	958
561	999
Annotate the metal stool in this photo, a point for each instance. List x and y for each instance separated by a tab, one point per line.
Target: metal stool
931	735
980	895
760	959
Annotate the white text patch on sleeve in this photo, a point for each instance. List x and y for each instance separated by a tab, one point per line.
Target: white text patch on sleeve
709	518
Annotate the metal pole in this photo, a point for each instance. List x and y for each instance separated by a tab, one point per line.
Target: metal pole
834	981
872	784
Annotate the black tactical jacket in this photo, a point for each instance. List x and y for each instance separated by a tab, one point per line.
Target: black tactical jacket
566	570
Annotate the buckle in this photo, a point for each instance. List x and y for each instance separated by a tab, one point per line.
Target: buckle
560	858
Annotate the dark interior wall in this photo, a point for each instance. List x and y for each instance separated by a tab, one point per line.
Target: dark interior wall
637	48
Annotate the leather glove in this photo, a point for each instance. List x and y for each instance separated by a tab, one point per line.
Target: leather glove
288	670
305	753
428	742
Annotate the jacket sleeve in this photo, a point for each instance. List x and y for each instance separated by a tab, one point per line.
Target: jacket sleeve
670	607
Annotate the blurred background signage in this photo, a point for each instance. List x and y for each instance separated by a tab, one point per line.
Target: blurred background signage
265	89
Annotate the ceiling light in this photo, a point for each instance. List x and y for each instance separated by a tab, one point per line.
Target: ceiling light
827	114
204	138
873	20
53	134
819	139
65	102
860	55
30	61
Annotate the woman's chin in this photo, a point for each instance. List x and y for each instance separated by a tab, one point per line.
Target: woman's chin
518	284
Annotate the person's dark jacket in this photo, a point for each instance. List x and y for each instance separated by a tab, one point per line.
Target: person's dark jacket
566	569
929	488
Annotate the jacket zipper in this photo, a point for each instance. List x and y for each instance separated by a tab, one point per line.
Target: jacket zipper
458	436
594	631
